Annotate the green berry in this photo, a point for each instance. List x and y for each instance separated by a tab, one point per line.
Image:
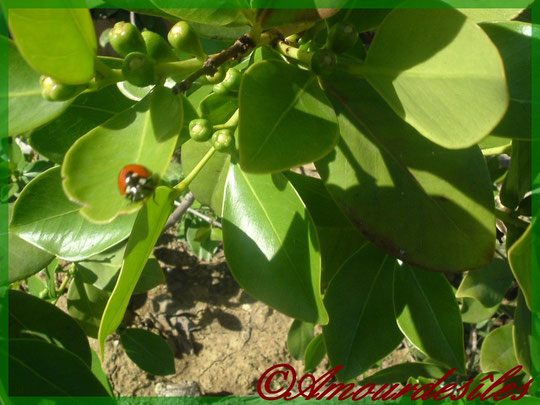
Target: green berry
125	38
232	80
53	90
138	69
323	62
342	36
157	47
223	140
217	77
184	38
200	130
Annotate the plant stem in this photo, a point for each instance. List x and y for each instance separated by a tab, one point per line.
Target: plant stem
62	288
295	53
206	218
231	123
506	217
179	68
183	185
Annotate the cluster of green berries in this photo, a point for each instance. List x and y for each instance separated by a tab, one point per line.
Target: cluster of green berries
201	130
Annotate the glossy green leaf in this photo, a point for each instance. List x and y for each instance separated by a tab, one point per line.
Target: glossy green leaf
37	32
218	108
41	369
146	231
367	19
26	106
291	125
497	353
145	134
30	316
428	314
439	72
25	259
315	353
213	16
514	42
209	185
400	373
299	336
271	244
275	17
522	334
36	287
148	351
86	304
198	238
43	216
360	306
98	372
490	14
102	270
519	257
487	285
88	111
517	182
383	172
338	237
472	311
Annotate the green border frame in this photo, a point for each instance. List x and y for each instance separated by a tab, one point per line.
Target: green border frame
535	253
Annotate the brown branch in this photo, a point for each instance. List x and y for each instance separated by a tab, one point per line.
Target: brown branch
180	210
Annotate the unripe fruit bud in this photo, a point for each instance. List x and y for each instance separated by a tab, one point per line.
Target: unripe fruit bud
138	69
157	48
217	77
126	38
223	140
53	90
323	62
219	89
184	38
232	80
200	130
342	36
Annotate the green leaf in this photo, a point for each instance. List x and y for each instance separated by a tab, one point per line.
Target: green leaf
146	231
271	245
213	16
98	372
209	185
522	334
517	182
513	40
360	306
86	304
43	216
148	351
145	134
367	19
299	336
26	106
57	42
490	14
472	311
383	172
440	73
275	17
87	112
519	257
291	125
428	314
38	368
218	108
487	285
315	353
338	237
400	373
32	317
25	259
497	353
199	241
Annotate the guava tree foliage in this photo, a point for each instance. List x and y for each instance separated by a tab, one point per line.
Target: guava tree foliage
408	115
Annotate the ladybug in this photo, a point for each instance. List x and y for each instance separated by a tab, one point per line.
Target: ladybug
135	182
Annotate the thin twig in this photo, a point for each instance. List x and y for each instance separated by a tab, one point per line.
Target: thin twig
242	46
206	218
180	210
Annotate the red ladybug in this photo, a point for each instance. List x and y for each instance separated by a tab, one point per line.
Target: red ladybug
135	182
